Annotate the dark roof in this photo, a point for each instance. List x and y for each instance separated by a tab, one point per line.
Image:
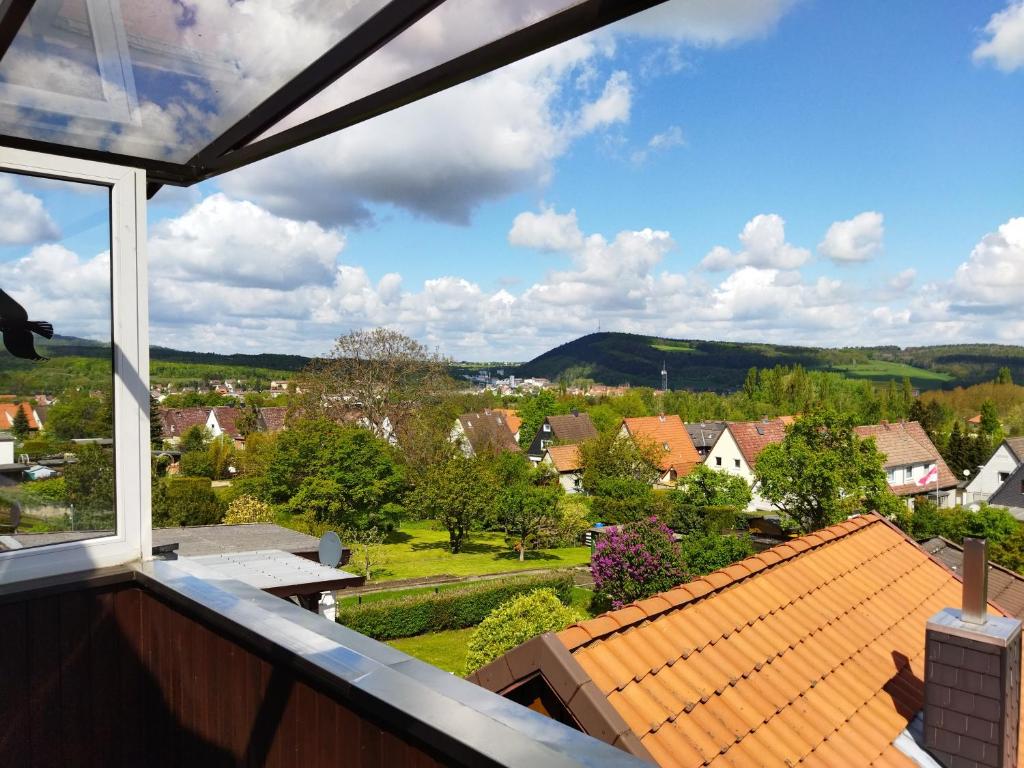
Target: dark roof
227	416
1016	446
572	428
272	419
1010	494
704	434
176	421
488	431
1005	587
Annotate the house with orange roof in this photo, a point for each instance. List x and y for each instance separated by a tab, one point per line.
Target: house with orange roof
816	652
738	447
913	465
8	412
512	420
677	454
481	433
565	460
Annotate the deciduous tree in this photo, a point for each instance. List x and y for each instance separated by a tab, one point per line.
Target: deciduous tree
707	487
458	494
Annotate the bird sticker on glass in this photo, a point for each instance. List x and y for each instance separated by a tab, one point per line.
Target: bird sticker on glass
17	329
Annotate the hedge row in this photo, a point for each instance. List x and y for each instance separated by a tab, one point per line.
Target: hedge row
449	609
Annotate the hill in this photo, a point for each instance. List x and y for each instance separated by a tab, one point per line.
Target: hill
623	358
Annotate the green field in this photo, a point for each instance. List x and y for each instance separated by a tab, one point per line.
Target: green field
446	650
885	370
419	549
667	345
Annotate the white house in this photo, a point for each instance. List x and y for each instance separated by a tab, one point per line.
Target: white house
565	459
738	447
913	465
6	448
995	471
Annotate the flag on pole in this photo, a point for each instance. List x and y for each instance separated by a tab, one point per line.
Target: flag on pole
932	475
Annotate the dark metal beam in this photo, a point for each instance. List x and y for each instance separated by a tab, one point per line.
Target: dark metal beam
12	15
580	19
375	32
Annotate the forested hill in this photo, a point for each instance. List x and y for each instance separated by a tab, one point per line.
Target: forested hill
623	358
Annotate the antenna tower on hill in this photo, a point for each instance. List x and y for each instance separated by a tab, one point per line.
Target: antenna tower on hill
664	377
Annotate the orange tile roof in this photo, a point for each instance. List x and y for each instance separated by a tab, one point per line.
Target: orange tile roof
8	412
905	443
566	458
753	436
810	651
669	434
511	418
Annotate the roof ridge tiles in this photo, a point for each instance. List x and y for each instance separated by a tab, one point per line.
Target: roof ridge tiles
712	583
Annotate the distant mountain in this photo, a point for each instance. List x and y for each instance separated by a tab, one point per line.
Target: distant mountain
624	358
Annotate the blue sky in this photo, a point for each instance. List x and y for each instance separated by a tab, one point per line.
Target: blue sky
873	153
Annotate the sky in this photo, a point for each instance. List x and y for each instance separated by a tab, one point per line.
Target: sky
792	171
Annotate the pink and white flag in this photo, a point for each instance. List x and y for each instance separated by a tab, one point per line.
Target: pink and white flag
930	477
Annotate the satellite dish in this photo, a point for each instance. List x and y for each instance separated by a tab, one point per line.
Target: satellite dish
330	549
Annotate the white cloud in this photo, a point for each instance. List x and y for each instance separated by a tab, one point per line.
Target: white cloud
764	245
709	22
902	281
25	220
994	272
546	231
854	240
1004	46
671	137
611	107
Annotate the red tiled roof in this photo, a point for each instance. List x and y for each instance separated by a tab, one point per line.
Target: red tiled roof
810	651
274	418
905	443
176	421
669	434
511	418
753	436
566	458
227	416
8	412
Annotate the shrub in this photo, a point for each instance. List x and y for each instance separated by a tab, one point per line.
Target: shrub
248	509
450	609
572	521
704	553
196	464
514	622
686	519
51	491
636	561
185	501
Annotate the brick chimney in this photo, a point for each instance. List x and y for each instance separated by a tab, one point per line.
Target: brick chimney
972	676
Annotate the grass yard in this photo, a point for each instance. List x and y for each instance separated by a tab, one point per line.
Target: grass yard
418	549
446	650
885	370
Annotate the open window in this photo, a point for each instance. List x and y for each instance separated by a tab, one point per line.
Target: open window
74	439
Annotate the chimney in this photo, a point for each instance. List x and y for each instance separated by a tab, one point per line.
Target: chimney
972	676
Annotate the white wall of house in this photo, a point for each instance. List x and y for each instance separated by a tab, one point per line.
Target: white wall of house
570	481
6	451
904	474
458	436
991	475
726	456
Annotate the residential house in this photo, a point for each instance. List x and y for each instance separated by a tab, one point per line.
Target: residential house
177	421
1005	587
6	448
565	460
225	420
704	435
676	454
810	653
738	447
8	412
570	429
994	472
482	433
1011	494
913	466
511	419
272	419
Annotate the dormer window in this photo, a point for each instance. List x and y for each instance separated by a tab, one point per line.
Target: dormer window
546	427
666	447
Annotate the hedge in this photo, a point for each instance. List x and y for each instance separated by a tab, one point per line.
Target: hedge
450	609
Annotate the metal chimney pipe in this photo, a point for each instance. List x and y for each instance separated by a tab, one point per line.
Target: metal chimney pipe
975	574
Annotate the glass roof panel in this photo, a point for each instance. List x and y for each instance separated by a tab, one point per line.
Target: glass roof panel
452	29
159	79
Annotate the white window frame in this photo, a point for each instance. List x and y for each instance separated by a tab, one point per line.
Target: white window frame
130	307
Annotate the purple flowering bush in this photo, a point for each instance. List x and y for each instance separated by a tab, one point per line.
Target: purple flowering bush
635	561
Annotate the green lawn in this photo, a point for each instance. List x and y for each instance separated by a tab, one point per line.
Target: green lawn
418	549
391	594
885	370
446	650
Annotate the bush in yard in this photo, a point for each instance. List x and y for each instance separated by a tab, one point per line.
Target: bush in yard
248	509
185	501
513	623
707	552
636	561
449	609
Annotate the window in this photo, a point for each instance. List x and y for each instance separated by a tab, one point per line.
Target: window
76	266
908	475
1004	476
736	463
546	427
718	461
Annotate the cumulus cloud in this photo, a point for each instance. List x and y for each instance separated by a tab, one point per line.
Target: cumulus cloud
709	22
25	220
764	245
994	272
854	240
903	280
1004	43
546	231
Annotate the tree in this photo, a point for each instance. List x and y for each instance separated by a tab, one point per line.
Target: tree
249	421
77	415
458	494
989	418
707	487
1004	376
380	375
635	561
89	482
704	553
185	501
195	438
19	425
533	410
821	473
513	623
367	548
525	511
622	500
611	455
156	425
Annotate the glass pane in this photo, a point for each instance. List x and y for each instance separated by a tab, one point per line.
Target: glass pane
155	78
449	31
56	363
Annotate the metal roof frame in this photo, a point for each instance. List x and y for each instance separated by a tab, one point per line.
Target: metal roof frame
232	148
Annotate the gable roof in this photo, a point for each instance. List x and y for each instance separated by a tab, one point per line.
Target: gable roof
565	458
176	421
669	435
1005	587
9	410
1016	446
1011	492
511	418
810	651
705	434
487	431
753	436
227	416
572	427
273	418
905	443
